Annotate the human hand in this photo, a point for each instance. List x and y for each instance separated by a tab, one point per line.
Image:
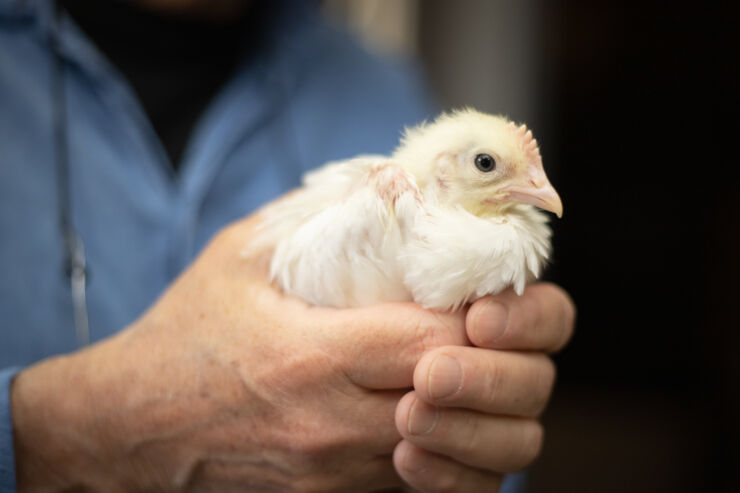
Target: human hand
473	413
226	385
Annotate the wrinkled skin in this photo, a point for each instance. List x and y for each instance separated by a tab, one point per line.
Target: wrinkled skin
227	385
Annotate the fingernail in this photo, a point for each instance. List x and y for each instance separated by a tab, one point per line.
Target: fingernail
494	319
445	377
422	418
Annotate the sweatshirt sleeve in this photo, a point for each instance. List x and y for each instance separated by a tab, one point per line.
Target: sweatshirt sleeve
7	463
514	483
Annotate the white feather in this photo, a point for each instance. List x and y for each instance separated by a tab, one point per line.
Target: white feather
342	249
456	257
361	231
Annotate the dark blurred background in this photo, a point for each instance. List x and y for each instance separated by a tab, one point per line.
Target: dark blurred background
635	109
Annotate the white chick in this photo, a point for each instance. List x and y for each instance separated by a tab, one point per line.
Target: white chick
451	216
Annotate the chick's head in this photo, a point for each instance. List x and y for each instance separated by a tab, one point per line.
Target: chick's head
482	162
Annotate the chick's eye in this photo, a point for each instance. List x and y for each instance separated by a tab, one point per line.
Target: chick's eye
485	162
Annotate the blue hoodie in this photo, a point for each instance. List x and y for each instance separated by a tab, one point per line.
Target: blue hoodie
312	96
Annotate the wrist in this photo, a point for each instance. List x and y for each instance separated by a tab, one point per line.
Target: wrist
41	402
62	432
129	414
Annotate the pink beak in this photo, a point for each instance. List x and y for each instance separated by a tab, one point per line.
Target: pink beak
535	189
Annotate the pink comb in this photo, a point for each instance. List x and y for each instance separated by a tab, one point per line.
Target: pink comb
528	143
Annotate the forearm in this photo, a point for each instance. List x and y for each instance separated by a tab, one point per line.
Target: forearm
129	414
54	441
74	423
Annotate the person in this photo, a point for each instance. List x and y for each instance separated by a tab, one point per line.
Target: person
135	137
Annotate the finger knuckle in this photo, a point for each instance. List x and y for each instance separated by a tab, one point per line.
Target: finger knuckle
446	329
475	322
492	380
445	481
548	373
569	318
545	372
533	435
566	319
435	477
541	383
550	311
524	317
432	333
424	331
471	437
421	338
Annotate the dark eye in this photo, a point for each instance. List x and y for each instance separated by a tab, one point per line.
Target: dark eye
485	162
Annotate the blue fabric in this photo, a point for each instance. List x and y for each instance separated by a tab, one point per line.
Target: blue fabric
313	96
7	465
514	483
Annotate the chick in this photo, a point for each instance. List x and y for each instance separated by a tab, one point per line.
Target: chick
452	215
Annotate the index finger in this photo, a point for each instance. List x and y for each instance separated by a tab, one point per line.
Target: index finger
377	346
541	319
382	344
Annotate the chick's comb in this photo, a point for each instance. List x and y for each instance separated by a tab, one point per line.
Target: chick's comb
528	143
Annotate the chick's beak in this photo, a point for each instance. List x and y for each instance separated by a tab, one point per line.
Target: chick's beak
535	189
